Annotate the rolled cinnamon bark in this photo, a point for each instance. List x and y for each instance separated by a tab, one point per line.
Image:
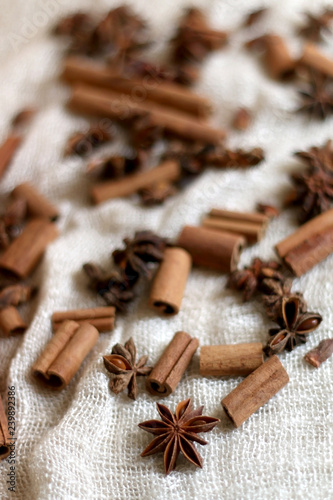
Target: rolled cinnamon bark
254	217
258	388
314	59
7	151
100	102
171	366
22	256
11	322
64	354
83	70
252	231
319	354
169	170
310	244
102	318
169	283
37	204
5	438
234	360
212	248
278	60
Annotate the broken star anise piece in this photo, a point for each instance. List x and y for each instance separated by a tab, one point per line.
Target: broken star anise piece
176	432
121	363
144	248
318	157
274	292
250	278
316	26
82	143
294	327
318	98
226	158
113	288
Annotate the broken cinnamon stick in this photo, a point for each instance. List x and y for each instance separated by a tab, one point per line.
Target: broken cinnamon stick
37	204
64	354
171	366
11	322
319	354
255	390
82	70
169	170
233	360
249	225
212	248
24	253
310	244
7	151
100	102
169	283
315	60
5	438
102	318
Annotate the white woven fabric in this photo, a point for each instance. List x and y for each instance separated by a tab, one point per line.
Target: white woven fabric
84	442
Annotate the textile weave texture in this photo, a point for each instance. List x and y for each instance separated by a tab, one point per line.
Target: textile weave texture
84	442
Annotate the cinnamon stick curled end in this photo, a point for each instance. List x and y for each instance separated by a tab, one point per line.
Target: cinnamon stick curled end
11	322
171	366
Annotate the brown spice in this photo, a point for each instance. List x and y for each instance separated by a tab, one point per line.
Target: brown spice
254	16
317	99
313	59
124	368
176	432
316	26
157	193
319	354
11	322
7	151
268	210
242	119
5	439
37	204
102	318
170	368
82	143
233	360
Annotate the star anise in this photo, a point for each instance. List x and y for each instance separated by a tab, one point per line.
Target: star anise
82	143
144	248
318	98
176	432
318	157
121	363
239	158
274	292
316	26
114	288
294	327
113	167
191	156
250	278
157	193
144	132
313	193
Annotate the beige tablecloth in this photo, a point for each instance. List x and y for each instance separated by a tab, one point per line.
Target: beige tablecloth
84	443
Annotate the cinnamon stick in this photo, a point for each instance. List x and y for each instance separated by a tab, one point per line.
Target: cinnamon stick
7	151
315	60
24	253
255	390
100	102
64	354
211	248
234	360
11	322
102	318
308	245
169	170
319	354
169	283
37	204
83	70
249	225
5	438
171	366
278	60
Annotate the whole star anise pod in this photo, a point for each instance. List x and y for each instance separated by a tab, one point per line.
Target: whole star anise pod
114	288
294	327
121	363
274	292
318	98
144	248
250	278
176	432
313	193
315	26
